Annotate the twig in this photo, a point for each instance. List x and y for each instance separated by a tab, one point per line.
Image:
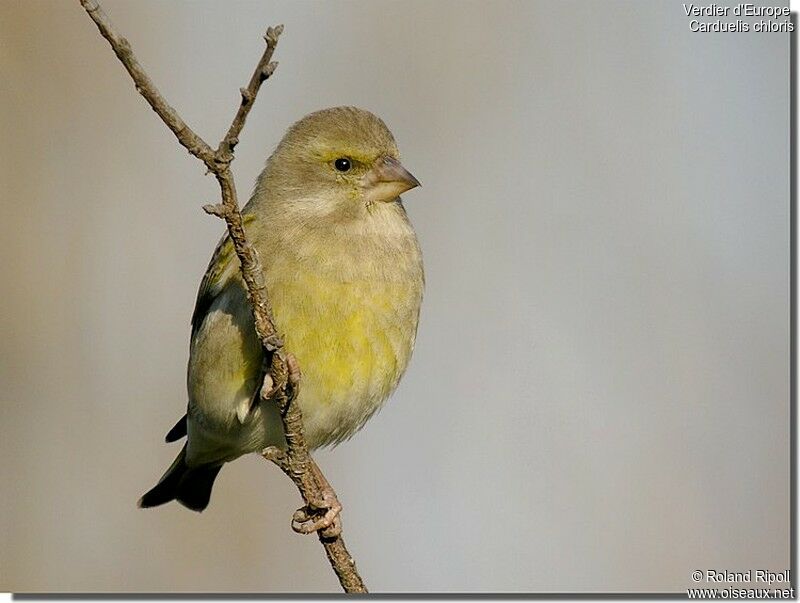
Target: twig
144	85
281	373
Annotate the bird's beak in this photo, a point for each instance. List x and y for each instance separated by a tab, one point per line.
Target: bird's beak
387	180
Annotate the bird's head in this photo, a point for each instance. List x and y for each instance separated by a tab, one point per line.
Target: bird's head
338	161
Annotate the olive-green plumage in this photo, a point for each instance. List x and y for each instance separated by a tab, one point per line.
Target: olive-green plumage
344	276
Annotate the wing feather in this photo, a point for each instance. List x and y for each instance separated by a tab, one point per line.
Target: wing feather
223	266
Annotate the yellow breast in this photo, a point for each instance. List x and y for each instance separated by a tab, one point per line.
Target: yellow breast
353	340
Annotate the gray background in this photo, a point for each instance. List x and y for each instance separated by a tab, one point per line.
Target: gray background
599	396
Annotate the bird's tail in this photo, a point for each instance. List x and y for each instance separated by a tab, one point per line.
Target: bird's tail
190	486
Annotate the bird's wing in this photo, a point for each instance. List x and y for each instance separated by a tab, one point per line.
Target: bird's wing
223	266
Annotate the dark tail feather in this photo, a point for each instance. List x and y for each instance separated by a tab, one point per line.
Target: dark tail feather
194	491
190	486
178	430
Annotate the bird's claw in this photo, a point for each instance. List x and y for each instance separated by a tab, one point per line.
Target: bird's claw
292	369
269	387
322	516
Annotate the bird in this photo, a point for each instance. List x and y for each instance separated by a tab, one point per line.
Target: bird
344	276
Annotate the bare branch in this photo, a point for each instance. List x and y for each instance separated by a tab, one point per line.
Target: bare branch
281	371
263	71
144	85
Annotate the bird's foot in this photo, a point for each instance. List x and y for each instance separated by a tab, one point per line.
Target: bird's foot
321	516
293	369
269	388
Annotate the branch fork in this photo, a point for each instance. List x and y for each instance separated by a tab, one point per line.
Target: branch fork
281	382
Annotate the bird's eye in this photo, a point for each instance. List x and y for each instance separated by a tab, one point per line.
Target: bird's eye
342	164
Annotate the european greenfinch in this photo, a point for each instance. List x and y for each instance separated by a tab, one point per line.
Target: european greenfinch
344	276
